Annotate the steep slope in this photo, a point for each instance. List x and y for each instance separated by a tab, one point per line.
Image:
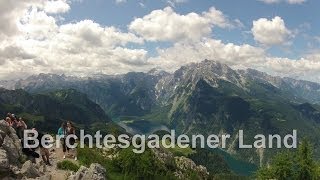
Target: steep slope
135	94
47	111
130	94
206	97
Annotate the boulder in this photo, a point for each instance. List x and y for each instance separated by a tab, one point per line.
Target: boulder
10	153
46	177
1	139
94	172
13	150
4	127
4	161
29	170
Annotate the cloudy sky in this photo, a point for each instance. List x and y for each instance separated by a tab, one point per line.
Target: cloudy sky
85	37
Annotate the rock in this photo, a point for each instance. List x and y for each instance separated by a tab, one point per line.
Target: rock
29	170
8	178
10	153
1	139
185	165
4	161
4	127
94	172
12	150
45	177
2	134
165	157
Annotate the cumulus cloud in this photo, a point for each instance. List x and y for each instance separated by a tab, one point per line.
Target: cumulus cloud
85	47
167	25
12	11
239	56
270	32
56	6
32	42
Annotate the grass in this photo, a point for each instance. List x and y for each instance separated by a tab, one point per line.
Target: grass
68	165
178	151
87	156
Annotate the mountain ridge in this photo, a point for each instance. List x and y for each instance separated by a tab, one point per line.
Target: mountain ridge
207	98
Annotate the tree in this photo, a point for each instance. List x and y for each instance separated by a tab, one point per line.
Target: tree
292	165
306	167
280	168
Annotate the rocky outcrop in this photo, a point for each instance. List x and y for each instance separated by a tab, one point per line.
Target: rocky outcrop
29	170
186	168
10	150
94	172
4	161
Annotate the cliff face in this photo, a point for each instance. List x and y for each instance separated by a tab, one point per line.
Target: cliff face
184	168
13	164
10	150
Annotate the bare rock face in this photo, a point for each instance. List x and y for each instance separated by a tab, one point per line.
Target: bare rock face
185	168
94	172
165	157
13	149
29	170
10	151
2	135
4	161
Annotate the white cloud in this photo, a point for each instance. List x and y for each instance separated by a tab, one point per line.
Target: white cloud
31	42
217	18
270	32
12	11
84	47
239	56
167	25
56	6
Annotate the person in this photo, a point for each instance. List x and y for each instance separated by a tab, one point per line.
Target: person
44	152
20	127
8	121
29	152
14	121
70	130
62	135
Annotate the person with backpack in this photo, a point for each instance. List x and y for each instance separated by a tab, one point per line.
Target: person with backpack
70	130
20	127
62	134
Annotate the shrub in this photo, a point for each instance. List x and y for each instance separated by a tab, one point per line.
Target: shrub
68	165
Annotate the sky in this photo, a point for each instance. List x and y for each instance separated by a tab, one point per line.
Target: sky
87	37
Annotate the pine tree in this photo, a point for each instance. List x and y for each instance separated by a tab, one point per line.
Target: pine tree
292	165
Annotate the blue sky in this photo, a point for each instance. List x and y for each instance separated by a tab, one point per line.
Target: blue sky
298	17
86	37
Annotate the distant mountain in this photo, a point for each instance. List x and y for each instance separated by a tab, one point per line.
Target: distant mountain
206	97
47	111
143	91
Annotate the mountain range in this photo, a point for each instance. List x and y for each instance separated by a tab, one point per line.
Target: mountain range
46	112
206	97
